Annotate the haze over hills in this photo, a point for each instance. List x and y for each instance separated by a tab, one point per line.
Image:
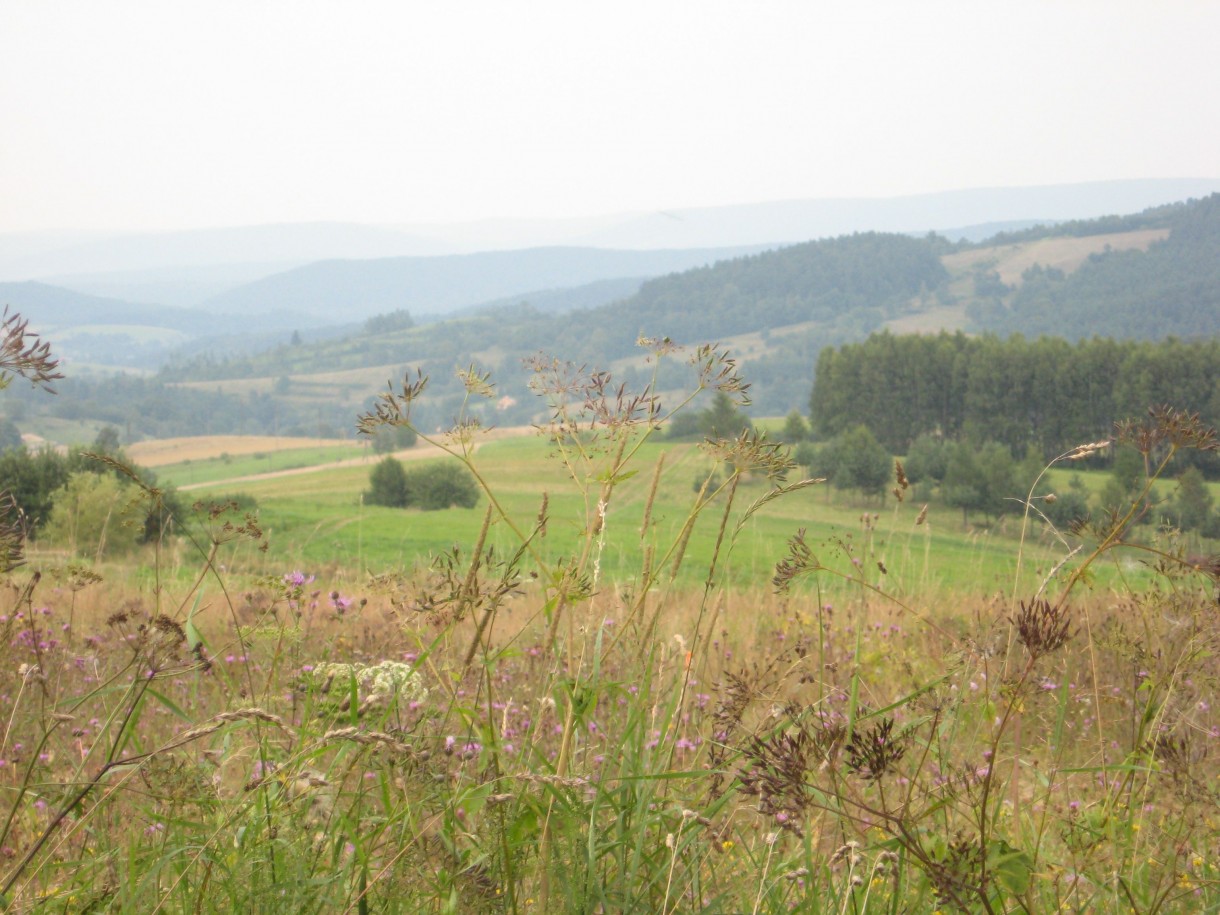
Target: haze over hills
187	267
305	348
354	289
801	220
779	308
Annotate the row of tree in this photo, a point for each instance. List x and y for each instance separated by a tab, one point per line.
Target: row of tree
985	479
1045	393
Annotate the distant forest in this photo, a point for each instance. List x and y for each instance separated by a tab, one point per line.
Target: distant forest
796	304
1172	289
1048	394
148	408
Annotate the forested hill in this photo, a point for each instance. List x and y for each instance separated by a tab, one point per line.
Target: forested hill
820	292
1171	289
358	289
777	310
817	281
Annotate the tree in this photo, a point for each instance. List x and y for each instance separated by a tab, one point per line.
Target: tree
856	460
388	484
723	419
927	459
1126	481
806	455
106	441
387	439
31	478
796	430
10	436
96	515
980	479
1192	504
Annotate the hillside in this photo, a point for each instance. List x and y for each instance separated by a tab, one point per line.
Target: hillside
1169	286
775	310
347	290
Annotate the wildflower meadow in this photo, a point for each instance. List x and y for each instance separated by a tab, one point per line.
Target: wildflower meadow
503	727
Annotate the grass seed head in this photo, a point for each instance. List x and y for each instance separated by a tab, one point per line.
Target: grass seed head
1042	627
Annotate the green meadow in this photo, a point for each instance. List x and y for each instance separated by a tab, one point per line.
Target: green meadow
226	467
637	676
319	520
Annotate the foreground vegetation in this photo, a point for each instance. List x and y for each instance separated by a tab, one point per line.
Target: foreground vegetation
573	709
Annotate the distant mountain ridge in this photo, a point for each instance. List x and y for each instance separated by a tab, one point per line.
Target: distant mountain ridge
185	267
353	289
780	308
52	307
1148	274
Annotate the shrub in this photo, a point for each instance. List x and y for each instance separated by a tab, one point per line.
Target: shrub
432	486
95	514
441	485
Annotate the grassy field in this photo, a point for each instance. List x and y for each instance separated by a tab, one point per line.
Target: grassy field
193	473
318	520
882	716
1065	253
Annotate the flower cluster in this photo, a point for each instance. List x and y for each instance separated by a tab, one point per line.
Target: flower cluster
377	685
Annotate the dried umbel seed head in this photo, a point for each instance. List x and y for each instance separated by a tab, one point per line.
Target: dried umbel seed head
1165	425
875	750
1041	627
21	353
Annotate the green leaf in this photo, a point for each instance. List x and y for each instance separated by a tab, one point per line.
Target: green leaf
169	704
1013	867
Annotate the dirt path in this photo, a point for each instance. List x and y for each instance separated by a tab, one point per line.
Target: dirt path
417	453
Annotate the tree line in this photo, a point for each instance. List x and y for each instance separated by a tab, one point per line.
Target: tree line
1048	394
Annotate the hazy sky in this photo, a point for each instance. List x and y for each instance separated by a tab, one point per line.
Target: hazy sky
118	114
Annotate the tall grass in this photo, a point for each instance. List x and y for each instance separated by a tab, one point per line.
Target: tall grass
511	730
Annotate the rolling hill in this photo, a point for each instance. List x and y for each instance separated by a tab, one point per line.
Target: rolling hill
778	309
1150	274
347	290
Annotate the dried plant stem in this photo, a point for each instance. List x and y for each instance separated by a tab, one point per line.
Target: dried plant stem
468	590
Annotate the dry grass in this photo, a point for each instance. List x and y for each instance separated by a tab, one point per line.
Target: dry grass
1066	254
930	321
165	451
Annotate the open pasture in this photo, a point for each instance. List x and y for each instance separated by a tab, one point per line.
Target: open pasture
381	713
318	520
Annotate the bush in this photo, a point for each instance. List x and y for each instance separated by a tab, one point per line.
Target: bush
432	486
441	485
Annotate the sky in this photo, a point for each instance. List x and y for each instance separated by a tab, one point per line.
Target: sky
142	115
